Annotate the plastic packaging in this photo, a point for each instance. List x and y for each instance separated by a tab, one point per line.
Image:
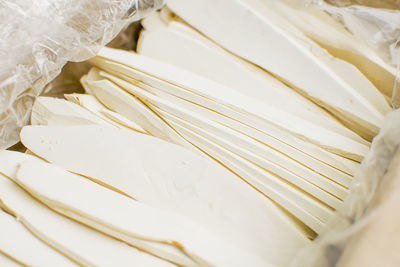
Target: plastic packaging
375	23
39	37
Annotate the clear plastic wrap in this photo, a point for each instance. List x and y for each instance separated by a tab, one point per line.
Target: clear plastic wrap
375	23
39	37
379	28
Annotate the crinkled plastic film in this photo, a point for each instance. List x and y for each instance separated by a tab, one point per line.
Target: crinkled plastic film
375	23
37	38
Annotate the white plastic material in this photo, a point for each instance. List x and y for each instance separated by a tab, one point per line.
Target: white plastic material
39	37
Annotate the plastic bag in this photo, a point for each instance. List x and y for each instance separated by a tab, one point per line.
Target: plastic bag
376	24
39	37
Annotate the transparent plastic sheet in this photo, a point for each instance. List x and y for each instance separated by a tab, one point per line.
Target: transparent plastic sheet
368	226
375	23
69	80
39	37
377	27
